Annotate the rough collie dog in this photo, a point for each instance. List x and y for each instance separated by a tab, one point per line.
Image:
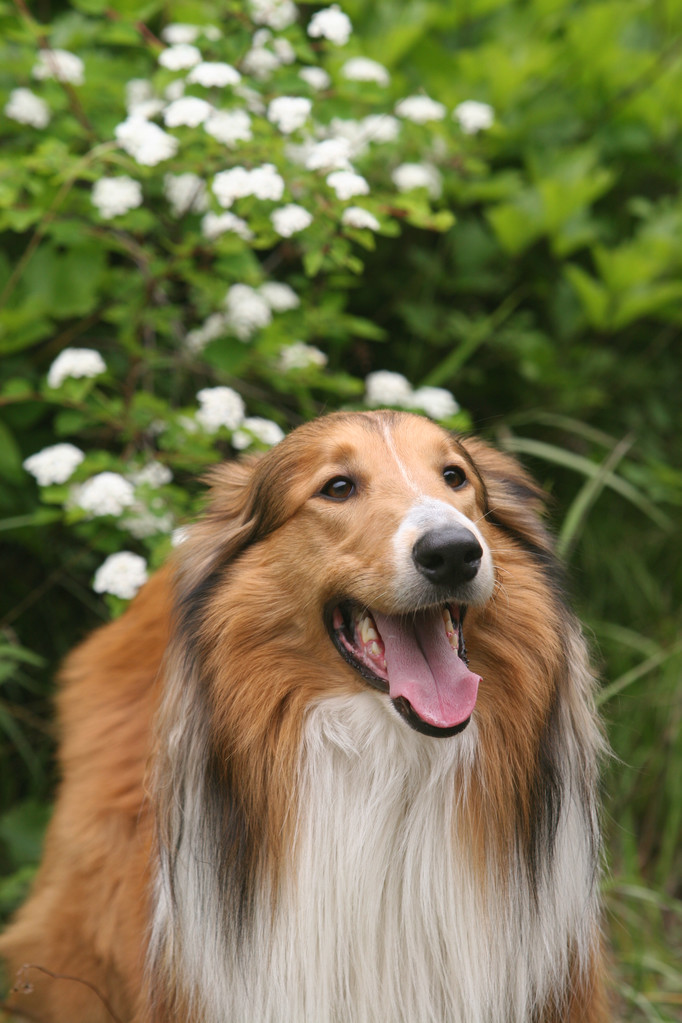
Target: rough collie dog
336	763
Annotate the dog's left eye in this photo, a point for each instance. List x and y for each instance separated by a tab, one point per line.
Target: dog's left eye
454	477
338	488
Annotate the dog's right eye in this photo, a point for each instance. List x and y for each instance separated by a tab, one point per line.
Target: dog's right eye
338	488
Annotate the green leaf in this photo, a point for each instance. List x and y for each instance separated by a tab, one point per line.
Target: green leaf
593	296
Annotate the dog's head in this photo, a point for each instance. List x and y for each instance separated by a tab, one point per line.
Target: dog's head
363	550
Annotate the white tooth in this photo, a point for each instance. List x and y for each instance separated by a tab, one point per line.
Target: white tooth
367	630
374	649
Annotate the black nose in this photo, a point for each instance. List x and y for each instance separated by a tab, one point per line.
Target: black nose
451	554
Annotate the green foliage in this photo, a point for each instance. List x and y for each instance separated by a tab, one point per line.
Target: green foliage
535	273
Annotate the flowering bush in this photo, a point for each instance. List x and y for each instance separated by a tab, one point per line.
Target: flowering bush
195	206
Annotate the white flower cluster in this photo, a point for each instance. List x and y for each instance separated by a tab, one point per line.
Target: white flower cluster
59	64
55	464
290	219
347	183
247	311
289	113
219	406
256	428
75	362
300	356
180	57
386	388
362	69
356	216
153	474
121	574
229	126
115	196
27	108
188	111
215	224
474	116
277	14
420	109
186	193
214	74
264	182
316	77
145	141
107	493
267	54
408	176
332	24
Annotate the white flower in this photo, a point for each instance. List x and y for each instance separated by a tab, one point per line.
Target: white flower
260	62
418	175
75	362
352	131
473	116
288	113
107	493
435	401
300	356
346	184
280	297
386	388
355	216
381	128
420	109
362	69
187	111
179	57
284	50
332	24
27	108
115	196
215	224
145	142
121	574
263	430
266	183
277	14
251	97
290	219
178	34
154	473
215	326
59	64
220	406
247	311
330	154
55	464
185	193
316	77
263	182
229	126
138	91
214	74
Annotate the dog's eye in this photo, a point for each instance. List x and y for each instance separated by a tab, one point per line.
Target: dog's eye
454	477
338	488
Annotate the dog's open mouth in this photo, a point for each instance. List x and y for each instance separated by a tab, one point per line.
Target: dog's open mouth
418	659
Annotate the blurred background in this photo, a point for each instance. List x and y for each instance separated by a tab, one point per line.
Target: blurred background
514	269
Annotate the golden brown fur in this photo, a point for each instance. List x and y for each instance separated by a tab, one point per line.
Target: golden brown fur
239	615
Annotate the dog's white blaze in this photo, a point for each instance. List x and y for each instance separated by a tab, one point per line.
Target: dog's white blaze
431	513
402	468
383	918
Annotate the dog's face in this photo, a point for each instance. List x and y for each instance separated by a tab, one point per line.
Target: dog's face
366	546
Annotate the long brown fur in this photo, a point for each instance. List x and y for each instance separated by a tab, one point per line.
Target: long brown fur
263	554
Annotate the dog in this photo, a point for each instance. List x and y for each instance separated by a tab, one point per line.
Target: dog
336	762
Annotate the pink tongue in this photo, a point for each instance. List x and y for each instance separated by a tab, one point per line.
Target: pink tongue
424	669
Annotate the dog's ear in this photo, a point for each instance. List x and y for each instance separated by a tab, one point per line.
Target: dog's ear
225	529
514	500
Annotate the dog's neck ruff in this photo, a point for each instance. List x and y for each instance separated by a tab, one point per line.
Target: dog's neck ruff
382	916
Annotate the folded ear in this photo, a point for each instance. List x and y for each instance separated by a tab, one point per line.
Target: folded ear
515	502
225	528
